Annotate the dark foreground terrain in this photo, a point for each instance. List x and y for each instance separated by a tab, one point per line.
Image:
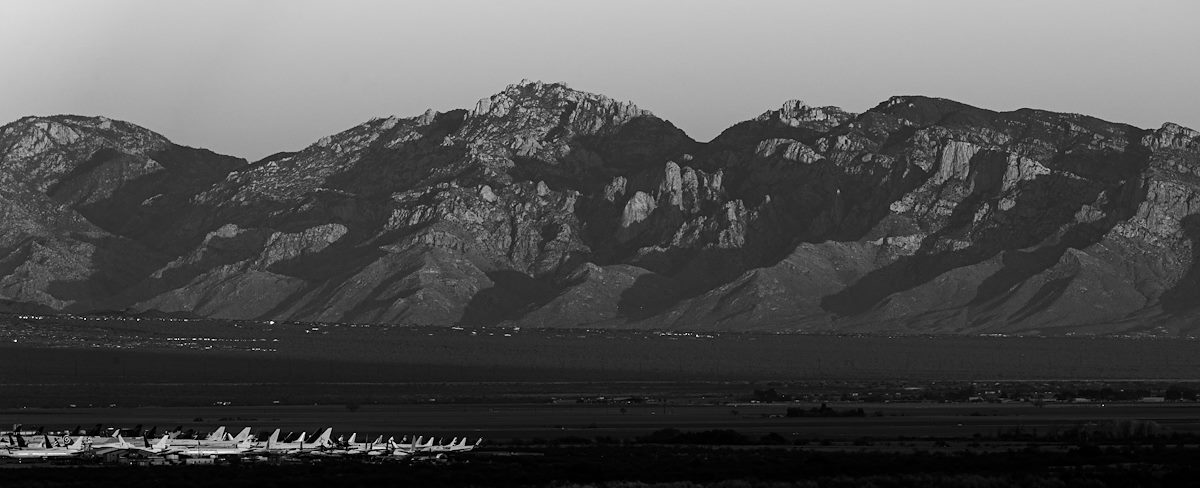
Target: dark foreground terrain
619	408
993	426
659	466
57	362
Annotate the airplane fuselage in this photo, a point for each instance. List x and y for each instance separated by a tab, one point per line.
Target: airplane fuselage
208	451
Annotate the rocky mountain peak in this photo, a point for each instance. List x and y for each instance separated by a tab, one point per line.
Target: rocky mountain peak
40	151
921	111
796	113
33	135
529	95
1173	136
531	114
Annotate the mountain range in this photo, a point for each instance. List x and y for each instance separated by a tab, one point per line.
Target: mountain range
544	206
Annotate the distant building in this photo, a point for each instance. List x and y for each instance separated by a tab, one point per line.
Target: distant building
107	455
128	457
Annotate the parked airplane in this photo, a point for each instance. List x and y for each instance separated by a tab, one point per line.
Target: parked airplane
117	441
456	445
166	445
234	441
273	445
240	448
351	447
17	440
76	447
406	449
420	444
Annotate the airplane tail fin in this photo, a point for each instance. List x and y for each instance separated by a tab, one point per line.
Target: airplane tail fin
217	435
77	444
163	443
273	439
20	440
350	441
324	439
243	435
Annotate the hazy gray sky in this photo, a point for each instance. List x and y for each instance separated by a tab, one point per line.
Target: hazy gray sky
250	78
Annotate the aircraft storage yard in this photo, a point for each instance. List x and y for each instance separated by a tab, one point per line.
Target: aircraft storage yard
146	448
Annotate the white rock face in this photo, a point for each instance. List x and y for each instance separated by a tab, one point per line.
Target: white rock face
637	209
768	147
1173	136
1021	169
389	123
284	246
796	113
224	232
427	117
1166	204
733	234
533	118
615	189
800	152
690	197
792	150
487	194
955	163
670	191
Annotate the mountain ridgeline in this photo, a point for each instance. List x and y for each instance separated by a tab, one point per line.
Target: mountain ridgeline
543	206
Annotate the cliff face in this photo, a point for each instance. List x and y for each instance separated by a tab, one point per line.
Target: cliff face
549	207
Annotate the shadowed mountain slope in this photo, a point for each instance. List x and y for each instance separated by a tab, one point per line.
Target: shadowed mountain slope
549	207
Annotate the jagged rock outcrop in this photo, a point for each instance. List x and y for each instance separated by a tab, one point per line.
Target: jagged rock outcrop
549	207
